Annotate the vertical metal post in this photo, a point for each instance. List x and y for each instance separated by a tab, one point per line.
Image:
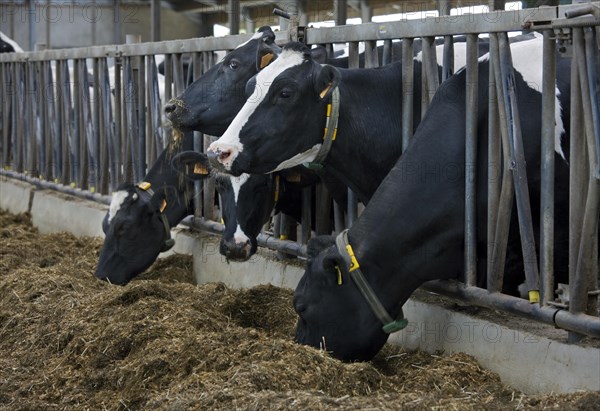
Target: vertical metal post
353	62
472	78
120	141
339	12
430	69
577	175
306	214
494	282
408	92
155	22
198	137
578	291
233	8
547	169
519	171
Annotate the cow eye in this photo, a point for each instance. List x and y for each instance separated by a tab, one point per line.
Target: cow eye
234	64
285	93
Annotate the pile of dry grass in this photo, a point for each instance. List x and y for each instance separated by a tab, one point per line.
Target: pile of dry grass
69	341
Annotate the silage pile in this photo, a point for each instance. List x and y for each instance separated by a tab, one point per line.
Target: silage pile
69	341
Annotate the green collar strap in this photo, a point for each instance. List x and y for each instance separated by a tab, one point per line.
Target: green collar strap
389	324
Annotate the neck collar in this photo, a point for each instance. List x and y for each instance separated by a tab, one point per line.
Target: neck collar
389	324
333	113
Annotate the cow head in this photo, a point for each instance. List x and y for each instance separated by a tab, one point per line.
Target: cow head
246	202
281	125
333	315
135	234
211	102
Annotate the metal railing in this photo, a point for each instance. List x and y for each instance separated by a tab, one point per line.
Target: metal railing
79	144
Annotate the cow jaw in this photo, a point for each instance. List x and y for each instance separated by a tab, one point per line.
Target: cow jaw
229	145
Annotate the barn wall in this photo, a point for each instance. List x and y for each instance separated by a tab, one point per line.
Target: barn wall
64	25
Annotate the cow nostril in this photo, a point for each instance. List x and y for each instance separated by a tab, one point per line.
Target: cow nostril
223	155
170	107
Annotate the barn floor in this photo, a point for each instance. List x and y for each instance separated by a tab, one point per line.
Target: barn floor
68	341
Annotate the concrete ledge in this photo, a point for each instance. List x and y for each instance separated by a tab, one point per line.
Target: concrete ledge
52	212
262	268
15	196
531	357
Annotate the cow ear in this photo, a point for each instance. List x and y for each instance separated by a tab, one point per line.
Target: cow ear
158	202
267	50
319	54
326	81
317	244
192	165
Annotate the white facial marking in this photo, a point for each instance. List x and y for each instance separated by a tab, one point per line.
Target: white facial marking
256	36
115	205
239	237
8	40
237	183
264	79
301	158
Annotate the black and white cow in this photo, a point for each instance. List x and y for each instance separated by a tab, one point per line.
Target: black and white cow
249	200
7	45
412	230
210	103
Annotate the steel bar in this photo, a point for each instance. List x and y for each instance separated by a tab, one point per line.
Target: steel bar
197	143
264	240
430	68
578	291
120	141
306	214
593	65
77	192
494	281
519	169
448	58
577	170
547	169
386	57
141	115
472	79
371	54
338	218
580	323
407	91
505	204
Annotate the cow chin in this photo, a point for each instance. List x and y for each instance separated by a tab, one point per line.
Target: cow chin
115	270
345	347
235	251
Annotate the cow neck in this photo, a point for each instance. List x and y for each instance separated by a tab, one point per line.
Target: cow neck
390	325
367	143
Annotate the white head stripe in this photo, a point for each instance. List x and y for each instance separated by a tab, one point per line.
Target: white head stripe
117	201
256	36
264	79
237	183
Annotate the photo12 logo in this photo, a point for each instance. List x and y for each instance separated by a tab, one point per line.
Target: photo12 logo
66	12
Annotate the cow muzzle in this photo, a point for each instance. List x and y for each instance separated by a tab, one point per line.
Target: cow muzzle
236	250
222	157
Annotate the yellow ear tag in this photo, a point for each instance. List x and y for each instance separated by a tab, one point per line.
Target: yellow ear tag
199	168
534	296
144	185
339	275
325	90
283	237
353	261
265	60
163	205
